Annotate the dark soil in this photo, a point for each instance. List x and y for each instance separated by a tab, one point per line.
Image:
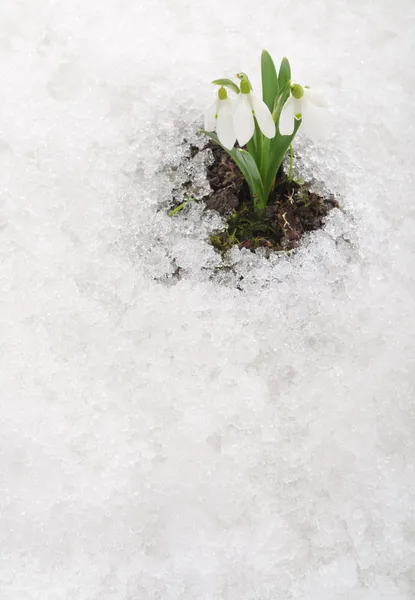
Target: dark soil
292	210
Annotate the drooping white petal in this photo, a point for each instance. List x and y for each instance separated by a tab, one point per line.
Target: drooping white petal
298	107
263	116
313	124
286	122
243	120
316	97
224	124
210	116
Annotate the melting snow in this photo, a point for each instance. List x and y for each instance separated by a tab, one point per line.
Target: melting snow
241	433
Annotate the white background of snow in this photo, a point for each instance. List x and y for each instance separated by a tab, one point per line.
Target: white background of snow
192	440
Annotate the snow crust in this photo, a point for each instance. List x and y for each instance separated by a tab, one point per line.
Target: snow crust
243	433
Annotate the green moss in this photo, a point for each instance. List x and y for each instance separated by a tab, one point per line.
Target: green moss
293	209
247	230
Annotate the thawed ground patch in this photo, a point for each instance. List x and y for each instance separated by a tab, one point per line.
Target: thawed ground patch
180	439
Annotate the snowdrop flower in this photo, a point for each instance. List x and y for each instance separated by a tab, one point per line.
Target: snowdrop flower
248	106
219	118
302	104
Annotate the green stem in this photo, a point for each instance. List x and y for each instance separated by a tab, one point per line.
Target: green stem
258	145
255	149
251	148
261	203
290	174
264	159
260	141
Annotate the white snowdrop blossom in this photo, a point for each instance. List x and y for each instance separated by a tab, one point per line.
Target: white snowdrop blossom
219	118
248	106
304	104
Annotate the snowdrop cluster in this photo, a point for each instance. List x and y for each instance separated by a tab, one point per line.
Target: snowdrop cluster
265	126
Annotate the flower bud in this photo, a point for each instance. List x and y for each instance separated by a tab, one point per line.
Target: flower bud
245	87
297	91
222	93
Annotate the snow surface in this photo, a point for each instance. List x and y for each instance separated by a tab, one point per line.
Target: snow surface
212	437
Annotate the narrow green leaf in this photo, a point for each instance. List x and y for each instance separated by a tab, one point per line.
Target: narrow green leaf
232	153
258	136
284	74
254	182
227	83
278	148
282	99
180	207
254	146
249	170
251	148
270	87
244	156
263	168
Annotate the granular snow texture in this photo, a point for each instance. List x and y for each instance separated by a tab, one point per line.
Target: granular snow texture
239	433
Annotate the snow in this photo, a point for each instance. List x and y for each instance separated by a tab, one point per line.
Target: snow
205	437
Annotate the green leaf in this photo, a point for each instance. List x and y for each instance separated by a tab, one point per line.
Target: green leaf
270	87
251	147
284	74
254	182
180	207
249	170
232	153
254	146
278	148
227	83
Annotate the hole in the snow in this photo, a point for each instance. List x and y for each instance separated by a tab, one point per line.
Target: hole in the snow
293	209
